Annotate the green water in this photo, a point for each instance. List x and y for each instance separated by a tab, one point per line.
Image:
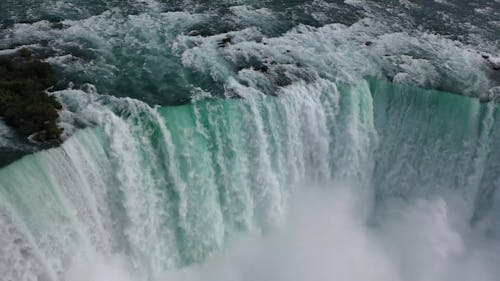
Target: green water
168	187
311	145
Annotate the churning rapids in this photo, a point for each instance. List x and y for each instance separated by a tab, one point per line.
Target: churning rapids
258	140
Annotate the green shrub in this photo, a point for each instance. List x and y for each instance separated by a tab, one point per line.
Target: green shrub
24	102
25	53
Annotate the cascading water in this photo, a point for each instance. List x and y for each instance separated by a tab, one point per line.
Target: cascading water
187	160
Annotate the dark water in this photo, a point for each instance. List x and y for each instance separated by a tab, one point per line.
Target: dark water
114	52
257	140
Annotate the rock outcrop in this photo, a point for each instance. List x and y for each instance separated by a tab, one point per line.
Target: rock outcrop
25	104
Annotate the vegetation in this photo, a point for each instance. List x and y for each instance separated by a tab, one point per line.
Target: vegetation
24	102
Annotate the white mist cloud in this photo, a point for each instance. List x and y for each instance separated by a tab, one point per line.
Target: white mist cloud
98	269
328	238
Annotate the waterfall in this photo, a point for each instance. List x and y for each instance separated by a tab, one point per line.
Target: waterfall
167	187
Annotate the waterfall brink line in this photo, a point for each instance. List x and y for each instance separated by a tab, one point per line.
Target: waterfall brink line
168	187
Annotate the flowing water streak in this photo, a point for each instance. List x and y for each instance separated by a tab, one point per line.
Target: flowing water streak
143	192
153	186
167	187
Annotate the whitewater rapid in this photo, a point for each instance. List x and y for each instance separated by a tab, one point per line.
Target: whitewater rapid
367	148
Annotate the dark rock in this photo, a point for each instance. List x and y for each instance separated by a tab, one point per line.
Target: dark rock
492	62
225	41
59	25
24	103
368	43
25	53
235	95
262	68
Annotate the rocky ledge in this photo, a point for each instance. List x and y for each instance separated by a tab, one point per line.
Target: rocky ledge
25	103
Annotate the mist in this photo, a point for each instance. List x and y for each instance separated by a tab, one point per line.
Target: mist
326	236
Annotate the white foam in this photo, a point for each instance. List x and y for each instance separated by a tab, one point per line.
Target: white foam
327	238
339	53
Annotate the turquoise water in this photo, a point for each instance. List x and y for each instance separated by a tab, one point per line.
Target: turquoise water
159	189
325	140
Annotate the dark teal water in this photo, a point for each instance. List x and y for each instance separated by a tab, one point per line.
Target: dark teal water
325	140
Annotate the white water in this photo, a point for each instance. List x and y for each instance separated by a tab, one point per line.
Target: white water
370	181
284	188
326	238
